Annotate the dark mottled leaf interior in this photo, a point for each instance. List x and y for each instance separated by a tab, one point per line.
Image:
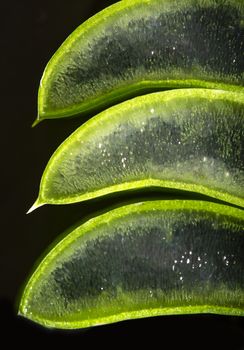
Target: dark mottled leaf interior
200	42
171	258
192	139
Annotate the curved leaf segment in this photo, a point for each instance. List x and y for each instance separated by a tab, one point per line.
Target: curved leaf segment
138	46
145	259
188	139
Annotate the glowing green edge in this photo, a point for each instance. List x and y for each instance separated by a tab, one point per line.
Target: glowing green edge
123	92
124	316
146	183
163	205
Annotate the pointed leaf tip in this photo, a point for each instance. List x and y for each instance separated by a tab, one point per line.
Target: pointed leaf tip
34	207
36	122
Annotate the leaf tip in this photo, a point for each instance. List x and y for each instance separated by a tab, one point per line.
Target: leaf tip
36	122
36	205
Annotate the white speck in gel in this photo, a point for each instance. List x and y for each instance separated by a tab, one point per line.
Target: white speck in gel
152	110
123	162
100	145
188	261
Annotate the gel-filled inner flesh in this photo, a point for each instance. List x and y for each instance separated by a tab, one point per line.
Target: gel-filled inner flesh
188	139
160	257
141	45
136	45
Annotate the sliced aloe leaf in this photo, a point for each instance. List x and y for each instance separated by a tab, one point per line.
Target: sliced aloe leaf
189	139
141	260
135	46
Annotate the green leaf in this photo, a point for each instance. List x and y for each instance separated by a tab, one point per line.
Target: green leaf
138	46
190	139
141	260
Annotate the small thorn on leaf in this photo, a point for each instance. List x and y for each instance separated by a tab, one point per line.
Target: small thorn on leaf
34	207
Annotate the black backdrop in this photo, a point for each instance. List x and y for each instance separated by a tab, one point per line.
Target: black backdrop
31	32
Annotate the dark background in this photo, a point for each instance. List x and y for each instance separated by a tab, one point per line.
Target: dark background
31	33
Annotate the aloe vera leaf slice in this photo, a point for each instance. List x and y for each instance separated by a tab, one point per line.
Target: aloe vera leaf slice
135	46
189	139
140	260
